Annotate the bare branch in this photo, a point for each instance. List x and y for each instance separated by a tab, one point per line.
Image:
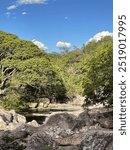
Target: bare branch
6	73
3	92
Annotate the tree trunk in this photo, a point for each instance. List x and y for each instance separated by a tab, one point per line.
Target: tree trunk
6	74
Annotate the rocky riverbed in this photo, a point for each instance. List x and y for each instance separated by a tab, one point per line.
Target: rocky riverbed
90	130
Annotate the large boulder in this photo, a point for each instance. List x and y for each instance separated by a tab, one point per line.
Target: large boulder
13	126
74	139
12	140
2	124
82	120
41	141
14	145
97	140
89	140
62	120
60	131
10	120
33	123
96	119
55	131
16	139
6	116
17	118
105	119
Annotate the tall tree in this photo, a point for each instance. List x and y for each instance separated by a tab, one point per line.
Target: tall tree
98	75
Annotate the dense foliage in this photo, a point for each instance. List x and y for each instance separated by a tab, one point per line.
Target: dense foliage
98	76
69	66
29	74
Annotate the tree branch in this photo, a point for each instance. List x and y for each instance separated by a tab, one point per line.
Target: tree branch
6	74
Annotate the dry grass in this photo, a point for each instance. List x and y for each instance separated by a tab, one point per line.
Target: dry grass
73	107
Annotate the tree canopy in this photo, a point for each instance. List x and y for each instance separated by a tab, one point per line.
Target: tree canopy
98	74
29	74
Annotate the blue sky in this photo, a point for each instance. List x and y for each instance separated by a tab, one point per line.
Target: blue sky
50	21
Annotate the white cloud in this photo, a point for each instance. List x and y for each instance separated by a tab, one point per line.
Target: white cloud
25	2
40	45
24	13
11	7
99	36
31	1
63	45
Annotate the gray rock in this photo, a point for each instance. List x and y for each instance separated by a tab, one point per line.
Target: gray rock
20	119
68	148
97	140
55	132
2	124
6	116
62	131
16	139
10	120
17	118
13	126
33	123
62	120
105	119
83	120
41	141
15	145
71	140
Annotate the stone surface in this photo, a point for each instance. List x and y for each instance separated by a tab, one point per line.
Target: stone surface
105	119
17	118
20	119
41	141
62	131
16	139
97	140
71	140
7	116
2	124
82	120
10	120
68	148
33	123
62	120
13	126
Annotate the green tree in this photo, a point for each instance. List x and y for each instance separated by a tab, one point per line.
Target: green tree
98	75
40	80
26	74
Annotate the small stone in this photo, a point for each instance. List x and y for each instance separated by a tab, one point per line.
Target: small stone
33	123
